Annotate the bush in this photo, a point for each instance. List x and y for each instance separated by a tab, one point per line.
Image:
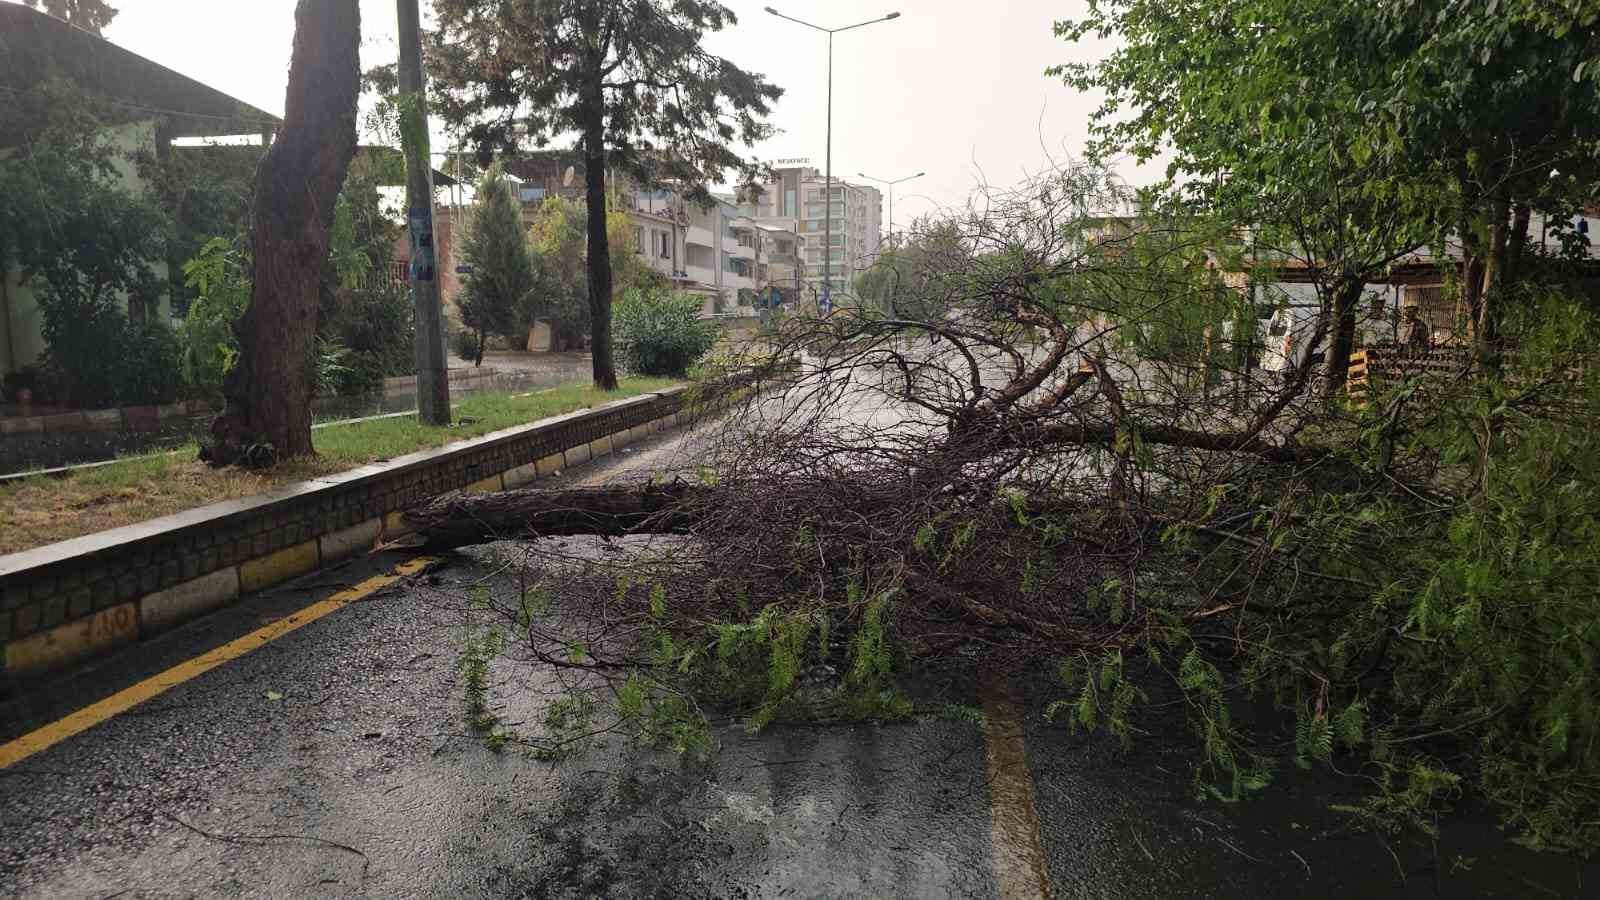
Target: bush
152	362
465	343
98	359
661	333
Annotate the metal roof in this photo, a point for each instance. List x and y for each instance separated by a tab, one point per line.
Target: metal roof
35	46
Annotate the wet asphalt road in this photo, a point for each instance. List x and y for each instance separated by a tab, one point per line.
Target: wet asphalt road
334	762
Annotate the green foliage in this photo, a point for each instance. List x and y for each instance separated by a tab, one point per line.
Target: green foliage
502	271
558	244
221	289
479	650
465	344
90	15
661	333
365	328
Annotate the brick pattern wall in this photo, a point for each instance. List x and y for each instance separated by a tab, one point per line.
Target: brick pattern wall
44	595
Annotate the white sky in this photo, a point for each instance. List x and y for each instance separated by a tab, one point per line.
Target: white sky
951	87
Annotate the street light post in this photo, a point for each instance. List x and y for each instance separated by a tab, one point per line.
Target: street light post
827	191
891	185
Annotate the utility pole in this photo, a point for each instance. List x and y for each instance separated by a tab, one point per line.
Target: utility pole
827	176
433	379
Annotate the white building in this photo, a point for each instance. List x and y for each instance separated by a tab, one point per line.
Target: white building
798	200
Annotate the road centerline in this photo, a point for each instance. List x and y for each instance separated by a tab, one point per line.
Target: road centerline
1020	867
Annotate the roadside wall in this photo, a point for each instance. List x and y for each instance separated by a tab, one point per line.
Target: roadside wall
156	417
68	601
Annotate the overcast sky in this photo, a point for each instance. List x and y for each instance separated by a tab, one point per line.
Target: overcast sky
951	87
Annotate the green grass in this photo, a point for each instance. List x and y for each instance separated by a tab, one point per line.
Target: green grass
43	510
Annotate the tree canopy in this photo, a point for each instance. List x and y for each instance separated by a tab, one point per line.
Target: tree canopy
90	15
502	272
629	79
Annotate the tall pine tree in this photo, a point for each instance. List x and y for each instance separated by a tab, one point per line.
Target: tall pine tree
502	272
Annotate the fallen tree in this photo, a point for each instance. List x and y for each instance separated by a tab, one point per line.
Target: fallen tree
1019	475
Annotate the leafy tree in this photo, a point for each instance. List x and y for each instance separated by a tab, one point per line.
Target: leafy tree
1489	101
1341	136
90	15
84	243
898	280
1265	105
556	239
502	272
629	78
268	391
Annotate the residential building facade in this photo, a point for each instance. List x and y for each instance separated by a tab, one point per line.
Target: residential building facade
799	199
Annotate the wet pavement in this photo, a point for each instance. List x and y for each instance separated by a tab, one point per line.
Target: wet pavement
335	762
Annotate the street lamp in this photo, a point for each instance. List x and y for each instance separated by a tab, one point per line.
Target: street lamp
827	192
891	185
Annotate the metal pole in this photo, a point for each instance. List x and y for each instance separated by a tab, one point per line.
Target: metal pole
827	189
433	381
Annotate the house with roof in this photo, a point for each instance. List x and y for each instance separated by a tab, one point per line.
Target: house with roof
147	107
147	111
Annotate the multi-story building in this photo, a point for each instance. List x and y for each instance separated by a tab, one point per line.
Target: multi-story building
800	200
714	251
660	230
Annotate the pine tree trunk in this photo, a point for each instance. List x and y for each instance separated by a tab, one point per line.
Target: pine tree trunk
268	392
599	252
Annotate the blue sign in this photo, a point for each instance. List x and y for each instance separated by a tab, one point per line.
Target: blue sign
420	222
825	303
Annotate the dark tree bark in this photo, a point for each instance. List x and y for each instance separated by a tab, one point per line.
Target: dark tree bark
1486	324
1347	295
599	252
268	392
458	520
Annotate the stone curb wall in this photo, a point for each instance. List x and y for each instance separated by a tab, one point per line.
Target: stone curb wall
65	602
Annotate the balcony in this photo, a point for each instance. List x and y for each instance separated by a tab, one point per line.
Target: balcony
700	236
703	274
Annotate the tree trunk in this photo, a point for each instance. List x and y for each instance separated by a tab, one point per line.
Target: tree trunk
1346	297
457	520
1486	324
267	415
599	252
1517	253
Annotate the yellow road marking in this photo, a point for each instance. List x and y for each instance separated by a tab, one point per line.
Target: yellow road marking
1019	861
126	699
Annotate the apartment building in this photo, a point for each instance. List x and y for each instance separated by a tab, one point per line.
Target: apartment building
715	251
799	199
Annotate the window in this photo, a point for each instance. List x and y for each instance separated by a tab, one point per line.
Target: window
789	205
638	238
663	244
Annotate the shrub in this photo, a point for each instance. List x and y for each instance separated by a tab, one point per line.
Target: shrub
84	331
465	343
661	333
152	365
